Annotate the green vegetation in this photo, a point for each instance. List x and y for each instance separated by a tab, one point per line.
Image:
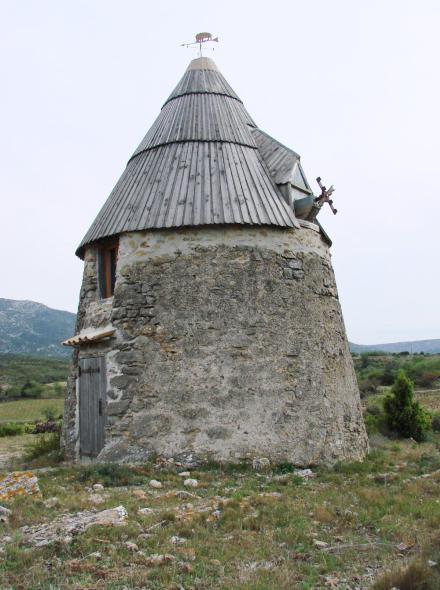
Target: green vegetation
11	429
23	376
378	369
45	447
239	529
403	413
30	410
112	475
242	529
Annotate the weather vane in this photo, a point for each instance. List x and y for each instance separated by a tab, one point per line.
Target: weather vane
200	39
325	195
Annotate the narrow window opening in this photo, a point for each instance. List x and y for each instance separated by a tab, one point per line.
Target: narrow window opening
108	257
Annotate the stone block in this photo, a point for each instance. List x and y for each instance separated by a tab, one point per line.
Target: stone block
129	357
117	408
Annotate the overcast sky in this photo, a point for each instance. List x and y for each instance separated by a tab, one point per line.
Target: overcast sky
354	87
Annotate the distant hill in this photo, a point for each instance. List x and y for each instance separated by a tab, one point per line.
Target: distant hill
415	346
34	329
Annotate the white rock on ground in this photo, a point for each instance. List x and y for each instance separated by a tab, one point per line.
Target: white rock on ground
185	474
304	473
139	494
155	559
155	484
98	486
65	527
191	483
320	544
145	511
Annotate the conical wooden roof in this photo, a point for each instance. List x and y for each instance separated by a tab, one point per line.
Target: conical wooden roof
202	162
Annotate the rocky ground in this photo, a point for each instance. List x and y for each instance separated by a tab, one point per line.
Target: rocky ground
160	526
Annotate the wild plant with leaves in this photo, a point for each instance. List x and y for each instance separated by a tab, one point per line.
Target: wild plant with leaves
404	414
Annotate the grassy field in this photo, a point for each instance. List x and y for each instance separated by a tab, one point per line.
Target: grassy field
372	525
28	410
240	529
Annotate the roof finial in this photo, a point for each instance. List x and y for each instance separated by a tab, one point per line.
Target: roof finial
200	39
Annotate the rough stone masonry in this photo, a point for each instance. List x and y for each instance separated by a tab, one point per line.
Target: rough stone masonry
209	326
229	345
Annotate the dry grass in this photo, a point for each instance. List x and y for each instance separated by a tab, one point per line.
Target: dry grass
28	410
264	535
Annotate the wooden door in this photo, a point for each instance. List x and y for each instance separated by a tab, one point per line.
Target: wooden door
92	398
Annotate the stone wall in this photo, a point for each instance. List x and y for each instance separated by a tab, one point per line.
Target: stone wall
230	345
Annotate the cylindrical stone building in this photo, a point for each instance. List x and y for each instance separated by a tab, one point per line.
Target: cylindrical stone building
209	326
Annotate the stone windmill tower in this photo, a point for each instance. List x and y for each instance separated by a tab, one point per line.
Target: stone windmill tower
209	325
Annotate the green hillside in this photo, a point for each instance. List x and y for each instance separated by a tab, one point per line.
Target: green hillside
17	372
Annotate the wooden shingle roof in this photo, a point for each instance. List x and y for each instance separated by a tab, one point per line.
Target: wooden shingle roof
202	162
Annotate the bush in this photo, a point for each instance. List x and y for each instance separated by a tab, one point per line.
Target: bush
46	446
368	386
375	420
44	427
11	429
436	423
112	474
428	379
50	413
404	414
32	389
29	428
415	576
58	389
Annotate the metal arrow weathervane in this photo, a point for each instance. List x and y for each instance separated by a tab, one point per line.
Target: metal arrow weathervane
201	38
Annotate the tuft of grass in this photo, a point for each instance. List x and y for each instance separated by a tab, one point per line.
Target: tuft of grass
113	474
418	575
45	449
322	514
283	468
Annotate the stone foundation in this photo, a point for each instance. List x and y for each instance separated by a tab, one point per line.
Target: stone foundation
230	345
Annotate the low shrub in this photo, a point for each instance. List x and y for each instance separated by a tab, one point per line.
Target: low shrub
429	379
29	427
418	575
31	389
49	426
112	475
436	423
368	386
50	413
47	447
375	420
404	414
282	468
11	429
